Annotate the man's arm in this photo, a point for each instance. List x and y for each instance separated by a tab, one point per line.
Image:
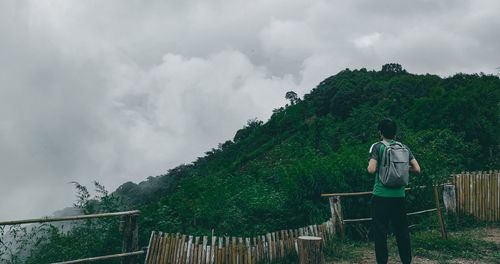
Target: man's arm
414	166
373	157
372	166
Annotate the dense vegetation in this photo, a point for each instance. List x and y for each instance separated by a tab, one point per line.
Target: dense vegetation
271	174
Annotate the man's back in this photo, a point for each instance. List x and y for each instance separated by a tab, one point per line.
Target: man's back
388	204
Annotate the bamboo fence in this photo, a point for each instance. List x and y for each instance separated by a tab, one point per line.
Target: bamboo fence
183	249
478	194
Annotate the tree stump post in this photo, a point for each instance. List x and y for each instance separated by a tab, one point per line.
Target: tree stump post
450	200
129	224
310	250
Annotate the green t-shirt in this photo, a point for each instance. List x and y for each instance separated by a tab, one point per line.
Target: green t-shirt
378	188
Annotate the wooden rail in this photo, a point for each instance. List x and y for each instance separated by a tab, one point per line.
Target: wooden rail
129	224
68	218
350	194
366	193
102	257
408	214
338	218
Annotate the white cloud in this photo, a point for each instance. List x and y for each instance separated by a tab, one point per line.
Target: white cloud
294	39
367	41
120	90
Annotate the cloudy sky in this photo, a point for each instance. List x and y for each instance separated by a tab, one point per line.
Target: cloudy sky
119	90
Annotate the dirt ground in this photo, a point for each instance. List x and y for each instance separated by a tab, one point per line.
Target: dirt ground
369	258
492	235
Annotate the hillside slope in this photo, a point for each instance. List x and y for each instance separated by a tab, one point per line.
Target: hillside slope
271	174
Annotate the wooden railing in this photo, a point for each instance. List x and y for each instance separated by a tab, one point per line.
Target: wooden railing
338	216
268	248
129	225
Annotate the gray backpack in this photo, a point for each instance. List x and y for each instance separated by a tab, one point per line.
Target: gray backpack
394	164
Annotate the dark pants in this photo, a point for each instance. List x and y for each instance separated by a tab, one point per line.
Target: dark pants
393	209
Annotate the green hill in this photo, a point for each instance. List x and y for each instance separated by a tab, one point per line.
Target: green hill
271	175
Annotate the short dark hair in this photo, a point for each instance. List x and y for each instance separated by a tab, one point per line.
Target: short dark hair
387	127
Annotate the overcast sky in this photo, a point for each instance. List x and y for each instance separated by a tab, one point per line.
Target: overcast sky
117	91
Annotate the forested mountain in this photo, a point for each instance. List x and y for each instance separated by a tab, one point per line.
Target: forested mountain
271	174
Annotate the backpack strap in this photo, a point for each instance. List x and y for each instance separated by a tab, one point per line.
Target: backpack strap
381	151
384	145
380	155
397	142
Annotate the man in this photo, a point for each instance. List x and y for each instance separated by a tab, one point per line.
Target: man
389	203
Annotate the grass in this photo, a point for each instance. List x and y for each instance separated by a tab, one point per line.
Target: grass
345	250
464	243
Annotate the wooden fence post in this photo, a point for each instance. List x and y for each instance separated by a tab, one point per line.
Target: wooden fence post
332	209
450	200
337	216
310	250
438	207
129	224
